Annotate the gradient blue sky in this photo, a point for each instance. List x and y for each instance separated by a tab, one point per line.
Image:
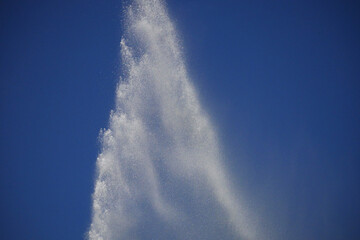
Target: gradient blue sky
280	79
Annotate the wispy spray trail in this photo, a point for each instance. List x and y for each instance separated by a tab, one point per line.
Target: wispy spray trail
160	173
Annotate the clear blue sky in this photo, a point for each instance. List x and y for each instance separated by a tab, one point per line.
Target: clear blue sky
281	80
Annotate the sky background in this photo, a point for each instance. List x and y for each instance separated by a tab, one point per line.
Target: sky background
280	79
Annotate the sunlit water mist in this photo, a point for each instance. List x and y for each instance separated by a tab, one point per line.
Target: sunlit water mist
160	171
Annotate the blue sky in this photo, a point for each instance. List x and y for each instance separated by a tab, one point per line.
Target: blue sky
280	80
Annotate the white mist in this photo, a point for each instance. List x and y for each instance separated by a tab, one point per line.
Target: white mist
160	171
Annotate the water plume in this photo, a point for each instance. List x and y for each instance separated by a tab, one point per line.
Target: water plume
160	173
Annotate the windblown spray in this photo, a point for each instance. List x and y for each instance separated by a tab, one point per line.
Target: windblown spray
160	173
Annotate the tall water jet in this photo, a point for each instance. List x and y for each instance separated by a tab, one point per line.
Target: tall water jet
160	173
